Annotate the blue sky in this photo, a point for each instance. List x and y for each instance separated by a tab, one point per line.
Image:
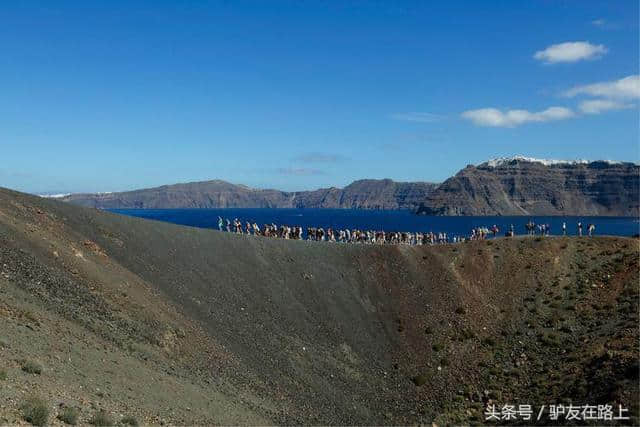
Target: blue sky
116	95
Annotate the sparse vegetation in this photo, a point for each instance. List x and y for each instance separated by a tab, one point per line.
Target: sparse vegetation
489	342
549	340
467	334
32	367
69	415
129	420
29	315
3	374
35	411
419	380
101	418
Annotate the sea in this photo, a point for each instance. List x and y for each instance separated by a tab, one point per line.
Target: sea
384	220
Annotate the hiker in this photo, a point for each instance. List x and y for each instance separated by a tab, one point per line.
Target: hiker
591	228
531	227
579	228
220	223
564	228
228	226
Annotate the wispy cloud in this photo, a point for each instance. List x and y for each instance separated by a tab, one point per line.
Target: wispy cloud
319	158
570	52
625	88
493	117
604	24
417	117
597	106
300	171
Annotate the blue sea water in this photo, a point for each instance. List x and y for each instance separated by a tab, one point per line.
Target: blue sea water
397	220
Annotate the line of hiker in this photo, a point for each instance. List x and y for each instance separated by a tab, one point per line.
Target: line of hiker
381	237
545	229
332	235
377	237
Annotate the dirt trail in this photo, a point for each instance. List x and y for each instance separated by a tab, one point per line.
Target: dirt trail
181	325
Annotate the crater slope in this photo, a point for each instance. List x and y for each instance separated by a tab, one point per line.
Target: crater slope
171	324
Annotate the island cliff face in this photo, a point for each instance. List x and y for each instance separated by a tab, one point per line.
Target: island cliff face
511	186
364	194
519	186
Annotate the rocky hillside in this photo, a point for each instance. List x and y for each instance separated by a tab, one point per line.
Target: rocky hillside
364	194
521	186
113	319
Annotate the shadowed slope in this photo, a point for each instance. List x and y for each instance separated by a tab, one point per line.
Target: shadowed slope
242	329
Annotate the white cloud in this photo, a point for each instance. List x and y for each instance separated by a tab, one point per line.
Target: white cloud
599	22
417	117
570	52
625	88
512	118
597	106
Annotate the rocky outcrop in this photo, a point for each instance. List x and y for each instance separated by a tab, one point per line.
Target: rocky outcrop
523	186
364	194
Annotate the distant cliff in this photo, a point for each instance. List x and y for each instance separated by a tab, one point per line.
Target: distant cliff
364	194
508	186
523	186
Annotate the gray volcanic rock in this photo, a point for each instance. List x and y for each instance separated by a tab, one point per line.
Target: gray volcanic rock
364	194
523	186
